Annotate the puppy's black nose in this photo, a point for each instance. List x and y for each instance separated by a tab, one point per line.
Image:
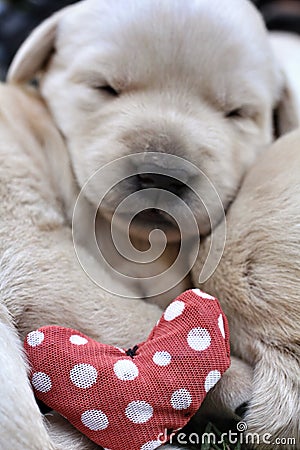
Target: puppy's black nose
167	183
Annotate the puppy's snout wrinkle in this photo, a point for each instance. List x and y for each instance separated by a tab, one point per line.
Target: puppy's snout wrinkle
158	181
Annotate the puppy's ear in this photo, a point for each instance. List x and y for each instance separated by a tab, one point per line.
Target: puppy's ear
286	49
35	51
287	111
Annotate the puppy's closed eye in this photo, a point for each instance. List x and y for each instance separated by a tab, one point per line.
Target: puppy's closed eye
234	113
243	112
107	89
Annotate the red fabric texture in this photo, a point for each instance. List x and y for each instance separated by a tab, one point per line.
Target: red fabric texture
128	400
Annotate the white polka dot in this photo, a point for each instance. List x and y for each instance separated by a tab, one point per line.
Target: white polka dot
221	325
174	310
199	339
126	370
41	381
83	375
35	338
181	399
203	294
162	358
211	379
139	412
95	420
78	340
151	445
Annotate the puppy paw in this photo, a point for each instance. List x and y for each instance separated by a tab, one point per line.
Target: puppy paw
272	417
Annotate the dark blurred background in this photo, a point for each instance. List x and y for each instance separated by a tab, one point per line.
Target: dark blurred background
19	17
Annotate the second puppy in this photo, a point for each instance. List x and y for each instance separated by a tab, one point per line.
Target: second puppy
258	284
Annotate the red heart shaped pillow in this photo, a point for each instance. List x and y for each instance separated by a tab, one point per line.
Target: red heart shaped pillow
128	399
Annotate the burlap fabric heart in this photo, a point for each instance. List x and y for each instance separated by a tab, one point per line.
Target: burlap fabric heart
129	399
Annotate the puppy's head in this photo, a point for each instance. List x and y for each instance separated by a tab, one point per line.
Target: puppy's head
194	80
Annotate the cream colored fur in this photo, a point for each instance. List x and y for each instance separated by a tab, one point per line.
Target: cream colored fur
258	284
180	68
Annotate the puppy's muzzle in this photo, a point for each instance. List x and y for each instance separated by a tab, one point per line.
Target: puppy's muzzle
164	182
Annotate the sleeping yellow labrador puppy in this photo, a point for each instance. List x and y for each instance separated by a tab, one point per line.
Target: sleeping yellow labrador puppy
258	284
176	97
41	280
